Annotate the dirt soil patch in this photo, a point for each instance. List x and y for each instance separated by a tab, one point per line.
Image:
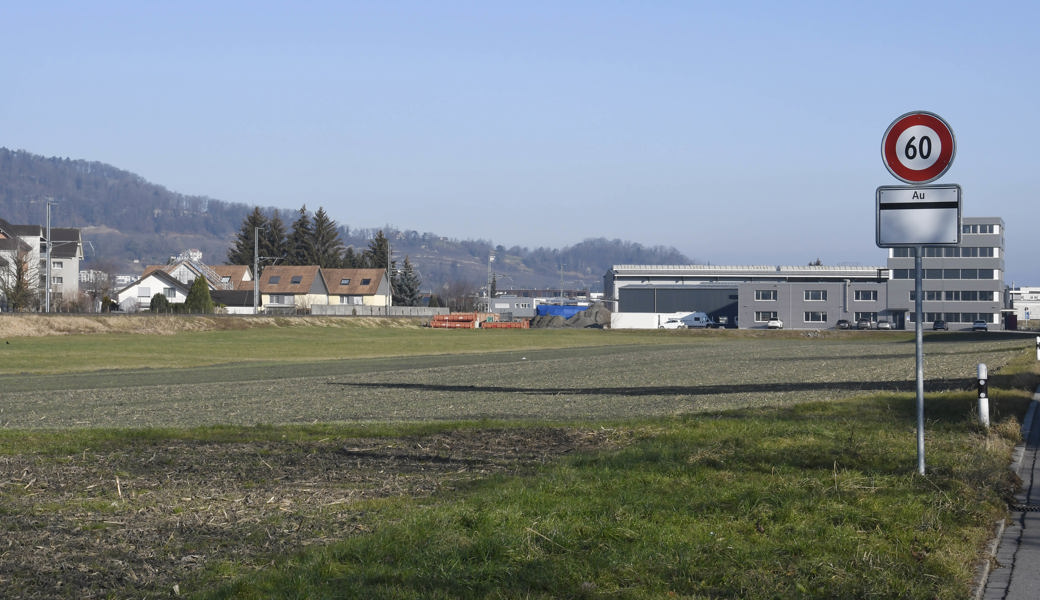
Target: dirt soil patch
141	520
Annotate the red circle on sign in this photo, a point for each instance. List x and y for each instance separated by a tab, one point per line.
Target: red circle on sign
890	153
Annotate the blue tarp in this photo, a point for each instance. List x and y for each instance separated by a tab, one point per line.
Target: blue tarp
565	311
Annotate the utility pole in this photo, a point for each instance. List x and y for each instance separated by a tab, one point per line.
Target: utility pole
256	270
490	277
561	281
47	279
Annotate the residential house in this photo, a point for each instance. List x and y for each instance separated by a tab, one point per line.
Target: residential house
289	288
177	278
138	295
66	254
357	287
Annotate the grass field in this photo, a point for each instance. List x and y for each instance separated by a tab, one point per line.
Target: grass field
366	462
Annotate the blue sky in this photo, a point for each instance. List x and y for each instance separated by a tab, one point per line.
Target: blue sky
739	133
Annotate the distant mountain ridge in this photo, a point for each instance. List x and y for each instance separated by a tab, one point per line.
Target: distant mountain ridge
130	222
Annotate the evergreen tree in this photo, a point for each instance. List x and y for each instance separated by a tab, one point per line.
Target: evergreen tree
351	260
328	248
159	303
301	239
241	253
378	254
199	301
274	242
406	284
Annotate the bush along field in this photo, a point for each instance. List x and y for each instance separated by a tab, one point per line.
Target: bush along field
789	488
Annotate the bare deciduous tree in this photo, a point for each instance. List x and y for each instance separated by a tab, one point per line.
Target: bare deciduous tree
19	282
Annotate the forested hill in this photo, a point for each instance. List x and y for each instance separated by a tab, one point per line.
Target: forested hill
125	218
122	215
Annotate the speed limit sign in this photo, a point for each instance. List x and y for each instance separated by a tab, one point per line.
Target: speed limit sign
918	147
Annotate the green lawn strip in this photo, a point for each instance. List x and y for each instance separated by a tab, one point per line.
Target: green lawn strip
95	352
815	500
61	442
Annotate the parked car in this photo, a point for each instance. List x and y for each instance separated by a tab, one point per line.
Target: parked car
863	324
940	325
979	326
844	324
775	324
884	324
673	324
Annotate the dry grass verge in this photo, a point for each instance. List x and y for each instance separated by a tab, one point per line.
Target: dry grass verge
35	325
137	519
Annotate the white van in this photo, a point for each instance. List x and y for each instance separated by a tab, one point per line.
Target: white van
696	320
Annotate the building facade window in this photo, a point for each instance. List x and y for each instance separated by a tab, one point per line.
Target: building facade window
955	317
866	295
946	274
866	316
765	296
815	295
761	316
170	293
282	299
815	316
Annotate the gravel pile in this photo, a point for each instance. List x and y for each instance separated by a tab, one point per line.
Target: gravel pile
597	315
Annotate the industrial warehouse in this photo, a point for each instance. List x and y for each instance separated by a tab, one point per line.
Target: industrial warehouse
962	285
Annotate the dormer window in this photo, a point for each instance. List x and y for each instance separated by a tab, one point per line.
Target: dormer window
345	281
274	279
296	279
366	281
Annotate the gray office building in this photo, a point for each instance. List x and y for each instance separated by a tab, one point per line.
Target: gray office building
961	284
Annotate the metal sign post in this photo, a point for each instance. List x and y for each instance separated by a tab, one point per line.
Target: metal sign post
919	355
918	148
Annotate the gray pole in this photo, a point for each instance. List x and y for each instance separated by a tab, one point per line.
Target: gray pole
47	292
256	268
918	298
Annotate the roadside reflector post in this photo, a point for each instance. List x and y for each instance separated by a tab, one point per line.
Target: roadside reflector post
1038	348
983	395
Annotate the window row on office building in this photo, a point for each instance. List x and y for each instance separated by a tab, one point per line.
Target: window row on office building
960	284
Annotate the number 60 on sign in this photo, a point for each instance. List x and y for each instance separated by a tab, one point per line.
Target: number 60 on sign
918	147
